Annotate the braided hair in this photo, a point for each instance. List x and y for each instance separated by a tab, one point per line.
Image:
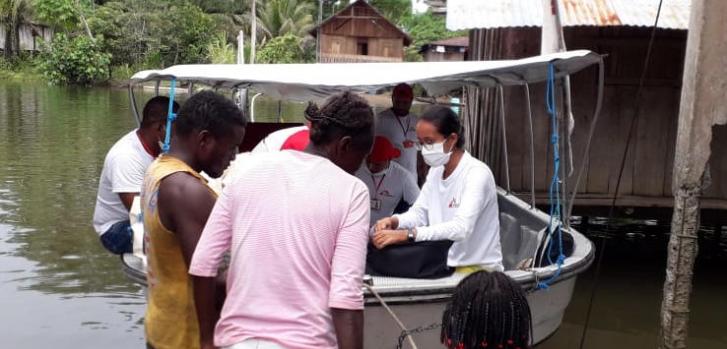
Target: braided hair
343	114
487	310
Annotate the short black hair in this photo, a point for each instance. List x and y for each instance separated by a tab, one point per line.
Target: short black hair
156	109
209	111
487	310
343	114
446	121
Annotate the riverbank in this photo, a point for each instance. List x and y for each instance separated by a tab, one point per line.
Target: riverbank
21	71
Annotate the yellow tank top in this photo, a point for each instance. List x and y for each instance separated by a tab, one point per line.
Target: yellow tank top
171	319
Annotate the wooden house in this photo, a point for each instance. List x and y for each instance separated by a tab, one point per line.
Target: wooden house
620	30
30	35
360	33
447	50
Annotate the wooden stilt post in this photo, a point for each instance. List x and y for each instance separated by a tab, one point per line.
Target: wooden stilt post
702	106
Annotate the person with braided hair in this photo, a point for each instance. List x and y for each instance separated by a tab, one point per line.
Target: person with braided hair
488	310
296	223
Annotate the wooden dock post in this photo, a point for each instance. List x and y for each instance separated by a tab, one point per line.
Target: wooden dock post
702	106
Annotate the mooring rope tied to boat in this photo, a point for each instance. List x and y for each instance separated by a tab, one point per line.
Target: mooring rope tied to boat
393	315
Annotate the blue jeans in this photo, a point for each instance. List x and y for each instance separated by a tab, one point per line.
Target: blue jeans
118	239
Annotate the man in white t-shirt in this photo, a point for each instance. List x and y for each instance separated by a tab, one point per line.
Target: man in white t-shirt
398	125
122	175
387	181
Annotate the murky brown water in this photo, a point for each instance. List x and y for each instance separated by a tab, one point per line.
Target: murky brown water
60	289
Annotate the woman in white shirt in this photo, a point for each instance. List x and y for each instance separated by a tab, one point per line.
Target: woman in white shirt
458	201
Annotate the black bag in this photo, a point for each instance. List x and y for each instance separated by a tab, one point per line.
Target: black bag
420	260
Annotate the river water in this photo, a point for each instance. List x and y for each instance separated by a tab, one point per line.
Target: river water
60	289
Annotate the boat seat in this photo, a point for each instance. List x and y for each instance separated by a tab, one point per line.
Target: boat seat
529	243
510	240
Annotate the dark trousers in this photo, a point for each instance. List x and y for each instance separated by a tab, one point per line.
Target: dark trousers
118	239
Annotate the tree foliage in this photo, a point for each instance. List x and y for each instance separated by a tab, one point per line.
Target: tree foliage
155	34
219	51
283	17
185	34
130	30
62	14
282	49
423	29
394	10
74	60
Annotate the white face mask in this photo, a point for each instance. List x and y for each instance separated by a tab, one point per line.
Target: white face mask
435	156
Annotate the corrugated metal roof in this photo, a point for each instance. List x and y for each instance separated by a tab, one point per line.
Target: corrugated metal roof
472	14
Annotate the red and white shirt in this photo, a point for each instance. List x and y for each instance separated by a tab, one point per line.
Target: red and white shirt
401	132
280	138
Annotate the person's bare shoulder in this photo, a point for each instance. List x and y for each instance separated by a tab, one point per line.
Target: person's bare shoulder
181	194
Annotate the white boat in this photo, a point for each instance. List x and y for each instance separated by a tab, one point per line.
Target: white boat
418	303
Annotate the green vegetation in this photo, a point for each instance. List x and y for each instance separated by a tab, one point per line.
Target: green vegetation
97	40
282	49
74	60
423	29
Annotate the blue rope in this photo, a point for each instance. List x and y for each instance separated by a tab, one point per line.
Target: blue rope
171	116
554	189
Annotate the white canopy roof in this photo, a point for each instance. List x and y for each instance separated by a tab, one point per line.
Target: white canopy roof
304	81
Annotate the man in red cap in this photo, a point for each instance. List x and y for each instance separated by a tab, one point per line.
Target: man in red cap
399	126
388	182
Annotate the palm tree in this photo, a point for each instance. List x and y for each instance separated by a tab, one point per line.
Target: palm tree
13	13
281	17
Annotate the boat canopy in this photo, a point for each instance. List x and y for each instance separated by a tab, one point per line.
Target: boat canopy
306	81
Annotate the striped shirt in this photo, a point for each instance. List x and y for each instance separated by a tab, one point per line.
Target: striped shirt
296	225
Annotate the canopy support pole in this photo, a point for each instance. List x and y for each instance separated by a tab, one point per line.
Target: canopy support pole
501	94
134	108
532	144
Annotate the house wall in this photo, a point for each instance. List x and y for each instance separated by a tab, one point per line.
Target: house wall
434	56
27	41
341	34
647	177
348	45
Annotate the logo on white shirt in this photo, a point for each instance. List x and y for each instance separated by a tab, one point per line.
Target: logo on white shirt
454	203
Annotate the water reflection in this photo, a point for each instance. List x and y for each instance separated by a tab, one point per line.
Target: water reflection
628	297
57	282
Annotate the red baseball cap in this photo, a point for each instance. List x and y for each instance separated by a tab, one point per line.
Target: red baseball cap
383	150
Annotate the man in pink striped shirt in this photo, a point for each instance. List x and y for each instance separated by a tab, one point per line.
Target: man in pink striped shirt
296	224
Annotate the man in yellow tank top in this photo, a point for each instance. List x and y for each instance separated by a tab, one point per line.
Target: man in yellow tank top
176	203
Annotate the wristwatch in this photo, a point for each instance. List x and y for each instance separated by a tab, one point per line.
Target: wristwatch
411	235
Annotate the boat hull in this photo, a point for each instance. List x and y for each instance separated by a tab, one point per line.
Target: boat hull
381	331
419	303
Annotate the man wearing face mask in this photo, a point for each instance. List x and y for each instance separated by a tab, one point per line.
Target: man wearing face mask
122	174
387	181
397	124
458	201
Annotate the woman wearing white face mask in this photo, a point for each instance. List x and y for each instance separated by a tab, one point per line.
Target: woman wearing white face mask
458	201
